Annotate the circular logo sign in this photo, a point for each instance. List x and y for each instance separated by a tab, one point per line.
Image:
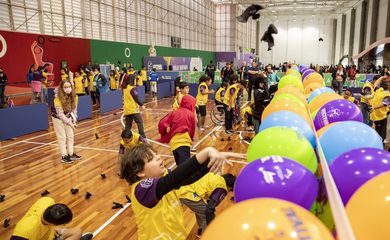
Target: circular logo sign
4	46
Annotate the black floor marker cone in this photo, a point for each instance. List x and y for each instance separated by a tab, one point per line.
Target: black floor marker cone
103	175
96	136
6	222
44	193
74	191
88	195
2	197
116	205
128	199
230	148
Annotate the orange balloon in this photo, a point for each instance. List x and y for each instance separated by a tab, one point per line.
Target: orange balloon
292	90
266	218
288	105
322	130
313	77
321	100
311	87
369	207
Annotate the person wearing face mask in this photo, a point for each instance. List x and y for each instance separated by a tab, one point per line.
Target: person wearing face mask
3	81
64	118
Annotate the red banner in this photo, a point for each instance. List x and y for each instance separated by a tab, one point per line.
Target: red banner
19	50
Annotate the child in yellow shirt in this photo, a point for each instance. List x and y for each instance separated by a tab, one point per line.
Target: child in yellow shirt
204	195
113	82
43	220
380	105
79	83
184	90
155	203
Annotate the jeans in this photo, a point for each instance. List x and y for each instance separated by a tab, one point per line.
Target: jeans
256	124
366	114
137	118
44	95
338	87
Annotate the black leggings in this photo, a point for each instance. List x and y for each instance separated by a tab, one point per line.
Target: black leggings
137	118
381	128
229	118
181	154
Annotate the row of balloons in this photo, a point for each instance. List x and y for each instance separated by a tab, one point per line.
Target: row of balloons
277	188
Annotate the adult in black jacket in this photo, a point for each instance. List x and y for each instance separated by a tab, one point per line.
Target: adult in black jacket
262	99
3	81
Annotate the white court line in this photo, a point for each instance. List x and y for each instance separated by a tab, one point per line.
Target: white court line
117	214
32	149
242	139
208	134
82	123
88	148
111	219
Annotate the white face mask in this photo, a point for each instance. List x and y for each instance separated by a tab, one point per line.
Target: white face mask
68	90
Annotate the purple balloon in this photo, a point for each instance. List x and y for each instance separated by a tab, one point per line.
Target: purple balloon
352	169
306	73
276	177
337	111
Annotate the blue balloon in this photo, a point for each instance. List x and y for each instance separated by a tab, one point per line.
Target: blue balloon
319	91
290	120
346	136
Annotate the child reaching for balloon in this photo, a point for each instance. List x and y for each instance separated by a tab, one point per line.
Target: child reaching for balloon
203	196
379	106
156	207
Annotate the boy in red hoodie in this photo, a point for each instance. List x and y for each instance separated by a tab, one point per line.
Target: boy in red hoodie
178	129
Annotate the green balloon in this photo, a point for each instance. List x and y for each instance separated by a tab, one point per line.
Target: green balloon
285	142
290	97
291	79
324	213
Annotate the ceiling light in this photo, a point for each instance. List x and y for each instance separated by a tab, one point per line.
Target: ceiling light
273	11
313	15
294	10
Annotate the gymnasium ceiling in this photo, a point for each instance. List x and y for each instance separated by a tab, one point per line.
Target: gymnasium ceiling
324	8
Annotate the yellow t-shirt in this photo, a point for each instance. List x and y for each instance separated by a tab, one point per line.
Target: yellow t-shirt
79	85
129	105
203	188
84	75
201	99
31	226
57	102
139	81
130	72
113	82
64	76
232	91
246	109
219	94
367	93
144	75
44	81
134	141
91	86
163	219
176	104
379	97
180	140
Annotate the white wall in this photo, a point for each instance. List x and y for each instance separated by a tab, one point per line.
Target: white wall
347	32
356	40
368	32
338	40
298	41
382	17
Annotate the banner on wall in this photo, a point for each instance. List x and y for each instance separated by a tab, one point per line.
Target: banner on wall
177	63
20	50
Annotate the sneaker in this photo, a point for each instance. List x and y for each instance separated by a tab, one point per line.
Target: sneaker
202	129
75	157
66	159
86	236
229	132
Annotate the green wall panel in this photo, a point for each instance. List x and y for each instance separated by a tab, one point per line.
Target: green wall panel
106	51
